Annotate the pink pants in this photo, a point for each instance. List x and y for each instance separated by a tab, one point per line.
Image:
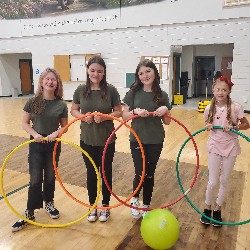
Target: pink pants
218	166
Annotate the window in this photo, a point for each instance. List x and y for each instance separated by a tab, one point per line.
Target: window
235	2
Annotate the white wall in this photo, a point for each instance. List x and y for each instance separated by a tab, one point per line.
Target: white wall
10	73
122	40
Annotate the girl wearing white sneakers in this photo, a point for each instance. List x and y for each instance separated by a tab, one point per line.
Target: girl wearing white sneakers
97	95
144	96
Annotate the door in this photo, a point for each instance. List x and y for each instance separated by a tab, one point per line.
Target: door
77	68
26	74
226	67
204	72
62	66
176	72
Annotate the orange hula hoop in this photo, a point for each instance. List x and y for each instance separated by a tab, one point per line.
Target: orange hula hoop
141	148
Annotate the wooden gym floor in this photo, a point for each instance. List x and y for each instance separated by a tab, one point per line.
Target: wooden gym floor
120	231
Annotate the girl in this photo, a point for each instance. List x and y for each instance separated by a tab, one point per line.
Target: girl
48	114
144	96
223	145
97	95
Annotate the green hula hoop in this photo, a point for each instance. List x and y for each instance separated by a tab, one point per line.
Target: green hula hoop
183	191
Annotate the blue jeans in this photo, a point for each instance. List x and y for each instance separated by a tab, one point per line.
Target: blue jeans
42	174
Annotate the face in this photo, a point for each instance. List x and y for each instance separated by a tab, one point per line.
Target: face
146	75
96	73
49	82
221	91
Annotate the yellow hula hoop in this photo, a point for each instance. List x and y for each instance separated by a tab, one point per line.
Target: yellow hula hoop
50	225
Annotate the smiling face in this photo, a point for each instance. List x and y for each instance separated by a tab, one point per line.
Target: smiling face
96	73
146	76
221	91
49	82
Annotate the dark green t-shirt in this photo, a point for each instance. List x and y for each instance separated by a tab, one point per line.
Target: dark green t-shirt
49	120
96	134
149	129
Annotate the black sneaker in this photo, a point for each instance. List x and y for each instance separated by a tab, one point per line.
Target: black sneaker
51	210
203	219
19	225
217	216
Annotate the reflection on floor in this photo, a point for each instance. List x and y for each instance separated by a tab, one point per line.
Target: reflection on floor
190	104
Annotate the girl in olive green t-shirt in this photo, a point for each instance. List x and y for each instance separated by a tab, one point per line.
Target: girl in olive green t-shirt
45	115
97	95
144	96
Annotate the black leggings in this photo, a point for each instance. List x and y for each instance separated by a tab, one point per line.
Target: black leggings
95	153
152	154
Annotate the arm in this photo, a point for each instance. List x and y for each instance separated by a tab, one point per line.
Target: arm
26	126
117	112
126	114
162	111
54	135
75	112
244	124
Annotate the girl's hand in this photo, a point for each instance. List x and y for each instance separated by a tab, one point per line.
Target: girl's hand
52	137
227	127
209	127
38	138
88	119
141	112
161	111
99	118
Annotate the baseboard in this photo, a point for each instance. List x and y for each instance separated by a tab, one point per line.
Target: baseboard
247	111
5	96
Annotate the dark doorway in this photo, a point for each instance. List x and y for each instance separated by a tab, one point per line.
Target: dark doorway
204	73
176	73
26	76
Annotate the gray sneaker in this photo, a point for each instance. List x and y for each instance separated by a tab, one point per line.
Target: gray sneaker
135	213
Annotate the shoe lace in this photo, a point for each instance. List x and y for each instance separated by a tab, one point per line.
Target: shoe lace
104	212
50	206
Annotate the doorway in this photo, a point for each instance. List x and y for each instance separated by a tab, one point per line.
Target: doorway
26	76
176	73
204	73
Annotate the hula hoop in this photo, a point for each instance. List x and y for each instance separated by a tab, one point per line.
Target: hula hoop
164	206
41	224
180	184
141	148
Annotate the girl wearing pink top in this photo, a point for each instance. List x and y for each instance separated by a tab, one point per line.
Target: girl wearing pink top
223	145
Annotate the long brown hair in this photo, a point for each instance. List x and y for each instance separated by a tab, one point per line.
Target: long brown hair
37	105
212	109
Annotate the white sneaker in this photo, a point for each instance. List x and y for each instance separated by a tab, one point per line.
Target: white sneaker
135	213
144	212
92	216
104	215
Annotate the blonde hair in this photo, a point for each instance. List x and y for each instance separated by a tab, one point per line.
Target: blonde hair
37	105
212	109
